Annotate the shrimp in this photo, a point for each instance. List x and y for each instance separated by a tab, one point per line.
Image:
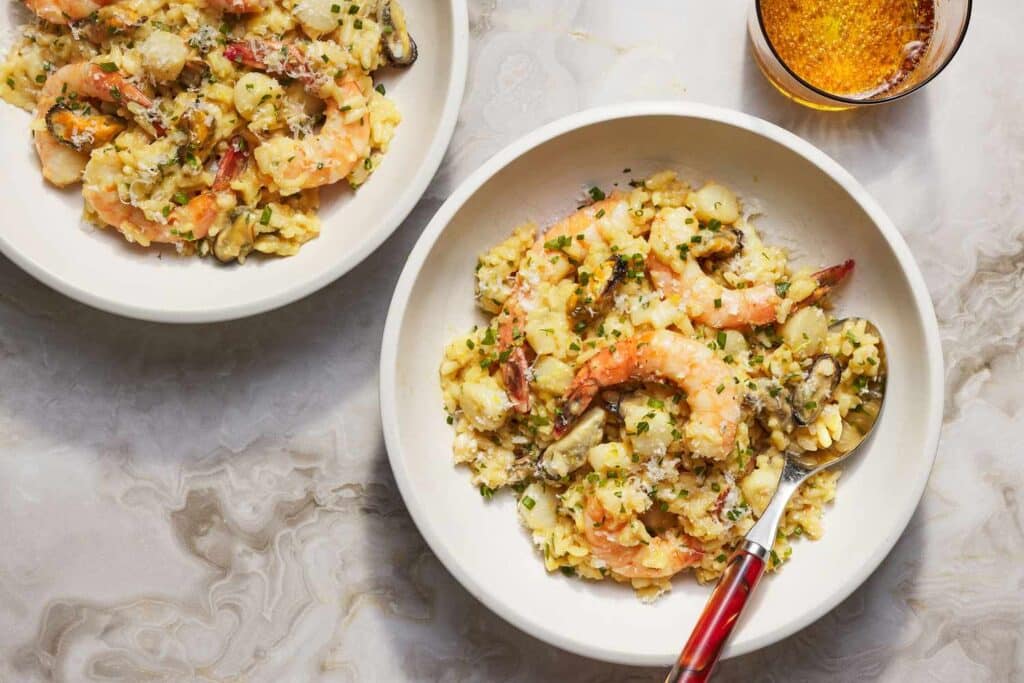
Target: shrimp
65	11
315	160
319	159
65	129
189	222
675	272
279	59
515	369
707	382
660	558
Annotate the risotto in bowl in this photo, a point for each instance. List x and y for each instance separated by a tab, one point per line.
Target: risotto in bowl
209	159
605	341
647	363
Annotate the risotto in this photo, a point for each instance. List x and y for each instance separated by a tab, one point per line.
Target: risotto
647	363
208	124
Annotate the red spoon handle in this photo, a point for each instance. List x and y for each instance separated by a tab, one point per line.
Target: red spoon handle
715	625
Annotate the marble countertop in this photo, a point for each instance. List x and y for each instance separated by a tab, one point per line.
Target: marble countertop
214	503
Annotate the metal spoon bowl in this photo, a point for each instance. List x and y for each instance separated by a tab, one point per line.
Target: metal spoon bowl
747	564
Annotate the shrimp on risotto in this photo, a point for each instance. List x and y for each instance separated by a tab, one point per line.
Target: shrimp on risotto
642	368
145	100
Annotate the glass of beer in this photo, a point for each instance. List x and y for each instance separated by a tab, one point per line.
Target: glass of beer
840	54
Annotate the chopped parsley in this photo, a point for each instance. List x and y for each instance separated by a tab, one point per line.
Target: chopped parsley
781	288
559	243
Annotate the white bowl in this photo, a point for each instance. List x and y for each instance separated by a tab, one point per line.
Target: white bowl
810	204
43	231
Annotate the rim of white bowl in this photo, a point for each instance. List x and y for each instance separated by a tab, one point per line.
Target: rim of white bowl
396	312
400	210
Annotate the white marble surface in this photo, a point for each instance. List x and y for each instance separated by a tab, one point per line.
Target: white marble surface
214	503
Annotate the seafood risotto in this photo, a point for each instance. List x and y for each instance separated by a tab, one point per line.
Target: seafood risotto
208	124
647	362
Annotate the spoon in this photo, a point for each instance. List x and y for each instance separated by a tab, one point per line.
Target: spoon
747	564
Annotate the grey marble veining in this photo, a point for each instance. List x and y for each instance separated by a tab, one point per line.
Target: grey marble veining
213	503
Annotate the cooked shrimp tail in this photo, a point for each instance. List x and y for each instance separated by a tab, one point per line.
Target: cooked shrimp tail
273	57
231	164
827	278
515	374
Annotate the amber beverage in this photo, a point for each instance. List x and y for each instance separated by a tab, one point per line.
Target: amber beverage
837	54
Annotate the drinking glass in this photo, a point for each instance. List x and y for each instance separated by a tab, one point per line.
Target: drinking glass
949	25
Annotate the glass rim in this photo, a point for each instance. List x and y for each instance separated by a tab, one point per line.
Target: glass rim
854	101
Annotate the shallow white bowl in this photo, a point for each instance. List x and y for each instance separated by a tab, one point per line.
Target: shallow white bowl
42	230
808	203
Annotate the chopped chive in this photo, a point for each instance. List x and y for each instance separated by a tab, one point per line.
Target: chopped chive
380	88
179	198
265	216
528	502
596	194
108	67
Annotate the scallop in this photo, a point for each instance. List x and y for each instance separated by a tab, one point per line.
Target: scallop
317	16
164	55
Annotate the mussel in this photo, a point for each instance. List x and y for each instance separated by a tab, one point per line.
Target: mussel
570	452
194	73
81	128
771	404
399	47
595	296
236	240
198	126
721	243
815	389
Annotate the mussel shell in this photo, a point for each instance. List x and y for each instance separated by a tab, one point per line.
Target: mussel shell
80	131
399	46
612	273
235	241
770	403
194	73
815	389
